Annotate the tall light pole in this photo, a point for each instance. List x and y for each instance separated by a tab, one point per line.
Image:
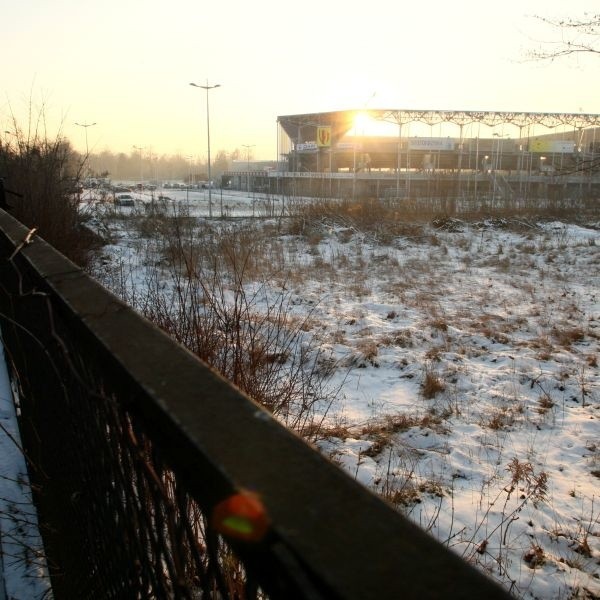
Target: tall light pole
85	127
208	88
187	187
248	146
140	148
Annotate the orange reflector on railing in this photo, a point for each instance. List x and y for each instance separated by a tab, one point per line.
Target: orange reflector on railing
241	516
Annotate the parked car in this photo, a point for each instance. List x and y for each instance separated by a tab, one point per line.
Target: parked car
124	200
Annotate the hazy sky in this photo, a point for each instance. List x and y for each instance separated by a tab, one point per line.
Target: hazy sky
127	64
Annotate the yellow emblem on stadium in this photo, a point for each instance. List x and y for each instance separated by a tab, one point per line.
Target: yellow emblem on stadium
323	136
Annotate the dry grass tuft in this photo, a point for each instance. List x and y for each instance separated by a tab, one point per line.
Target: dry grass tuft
534	557
500	419
545	403
432	384
569	336
368	350
381	431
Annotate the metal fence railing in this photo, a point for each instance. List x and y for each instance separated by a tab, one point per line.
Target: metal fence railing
155	478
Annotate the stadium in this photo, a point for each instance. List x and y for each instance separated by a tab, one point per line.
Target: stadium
399	154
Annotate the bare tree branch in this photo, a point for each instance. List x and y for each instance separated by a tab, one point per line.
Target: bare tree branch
578	36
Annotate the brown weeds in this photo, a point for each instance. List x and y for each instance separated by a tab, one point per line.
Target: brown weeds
432	384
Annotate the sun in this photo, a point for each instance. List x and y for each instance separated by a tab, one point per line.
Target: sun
362	121
365	124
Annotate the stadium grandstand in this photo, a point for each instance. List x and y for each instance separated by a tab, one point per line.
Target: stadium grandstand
378	153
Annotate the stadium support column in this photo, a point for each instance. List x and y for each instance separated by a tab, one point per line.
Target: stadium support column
477	165
520	163
460	151
330	171
398	165
354	163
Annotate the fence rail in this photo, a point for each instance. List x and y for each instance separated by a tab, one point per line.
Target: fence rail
141	456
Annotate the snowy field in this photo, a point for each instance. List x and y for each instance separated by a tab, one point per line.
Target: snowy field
465	356
467	361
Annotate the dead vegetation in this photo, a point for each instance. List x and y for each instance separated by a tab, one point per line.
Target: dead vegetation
44	174
465	319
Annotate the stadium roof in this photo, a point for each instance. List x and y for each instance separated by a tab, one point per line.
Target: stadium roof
303	126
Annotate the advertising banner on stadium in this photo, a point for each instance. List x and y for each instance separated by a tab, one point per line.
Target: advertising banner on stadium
306	147
552	146
431	143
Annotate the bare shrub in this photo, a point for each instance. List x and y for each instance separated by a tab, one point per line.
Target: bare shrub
45	173
382	221
245	330
535	487
405	495
398	483
524	486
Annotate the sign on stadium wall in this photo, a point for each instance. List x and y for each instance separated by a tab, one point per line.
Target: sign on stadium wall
431	143
306	147
552	146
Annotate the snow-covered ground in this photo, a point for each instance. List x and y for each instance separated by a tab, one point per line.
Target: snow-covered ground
196	202
467	357
23	572
467	360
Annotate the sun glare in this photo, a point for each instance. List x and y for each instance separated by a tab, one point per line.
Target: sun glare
364	124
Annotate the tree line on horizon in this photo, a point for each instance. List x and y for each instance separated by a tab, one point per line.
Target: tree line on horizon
148	166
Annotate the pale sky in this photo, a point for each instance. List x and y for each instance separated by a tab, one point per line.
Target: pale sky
126	65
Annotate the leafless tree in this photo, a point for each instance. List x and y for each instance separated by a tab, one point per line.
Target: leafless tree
579	35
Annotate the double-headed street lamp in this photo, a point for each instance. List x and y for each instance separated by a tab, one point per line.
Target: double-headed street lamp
207	88
85	126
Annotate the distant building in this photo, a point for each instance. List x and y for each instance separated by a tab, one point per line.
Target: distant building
430	153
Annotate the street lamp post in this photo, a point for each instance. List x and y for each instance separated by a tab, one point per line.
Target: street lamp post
248	146
208	88
140	148
85	127
187	187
